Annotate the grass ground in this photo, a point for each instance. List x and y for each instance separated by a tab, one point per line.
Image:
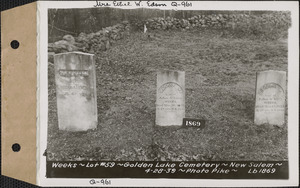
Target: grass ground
220	88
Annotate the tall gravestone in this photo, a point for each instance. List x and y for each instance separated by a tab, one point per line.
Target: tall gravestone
170	98
75	79
270	97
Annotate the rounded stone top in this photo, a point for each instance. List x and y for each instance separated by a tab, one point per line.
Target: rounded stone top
81	53
166	71
279	71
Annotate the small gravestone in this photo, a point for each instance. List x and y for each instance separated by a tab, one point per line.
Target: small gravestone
75	80
170	98
270	97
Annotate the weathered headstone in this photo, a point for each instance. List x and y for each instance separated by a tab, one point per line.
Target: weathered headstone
75	79
270	97
170	98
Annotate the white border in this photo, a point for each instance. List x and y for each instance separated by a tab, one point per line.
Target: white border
293	98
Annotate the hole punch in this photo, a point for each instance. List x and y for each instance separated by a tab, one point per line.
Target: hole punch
15	44
16	147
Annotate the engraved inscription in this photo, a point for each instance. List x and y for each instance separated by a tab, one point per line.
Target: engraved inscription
74	83
271	98
170	97
69	73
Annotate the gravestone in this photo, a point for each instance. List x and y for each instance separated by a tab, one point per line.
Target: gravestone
270	97
170	98
75	80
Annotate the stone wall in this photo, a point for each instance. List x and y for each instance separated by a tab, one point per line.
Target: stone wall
265	26
92	42
240	21
88	20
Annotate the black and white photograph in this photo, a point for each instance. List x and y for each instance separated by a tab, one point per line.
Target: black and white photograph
161	92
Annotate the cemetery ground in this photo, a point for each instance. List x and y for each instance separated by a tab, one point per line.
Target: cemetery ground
220	88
